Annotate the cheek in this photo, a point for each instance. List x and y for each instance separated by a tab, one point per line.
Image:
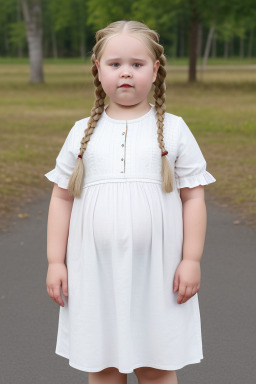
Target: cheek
145	82
108	83
109	76
146	77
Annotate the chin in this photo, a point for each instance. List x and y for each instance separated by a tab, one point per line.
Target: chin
126	103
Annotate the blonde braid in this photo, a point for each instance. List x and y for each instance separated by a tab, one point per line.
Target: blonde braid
151	40
159	95
76	180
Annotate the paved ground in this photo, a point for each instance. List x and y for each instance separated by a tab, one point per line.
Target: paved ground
227	304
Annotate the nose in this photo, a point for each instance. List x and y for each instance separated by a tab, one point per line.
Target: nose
126	72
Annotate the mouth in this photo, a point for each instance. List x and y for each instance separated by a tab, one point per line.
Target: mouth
125	86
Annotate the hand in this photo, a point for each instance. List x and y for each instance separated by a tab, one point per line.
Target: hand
187	279
57	276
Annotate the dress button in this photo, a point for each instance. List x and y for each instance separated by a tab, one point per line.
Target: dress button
122	172
122	145
122	159
123	133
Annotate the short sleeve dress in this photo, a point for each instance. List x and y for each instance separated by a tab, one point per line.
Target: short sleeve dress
124	246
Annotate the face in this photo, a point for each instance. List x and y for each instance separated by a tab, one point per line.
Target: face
126	60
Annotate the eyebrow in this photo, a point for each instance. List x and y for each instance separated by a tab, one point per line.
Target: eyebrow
132	58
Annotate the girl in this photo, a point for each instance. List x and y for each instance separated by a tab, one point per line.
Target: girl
127	222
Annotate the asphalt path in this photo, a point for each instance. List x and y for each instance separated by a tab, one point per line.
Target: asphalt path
29	318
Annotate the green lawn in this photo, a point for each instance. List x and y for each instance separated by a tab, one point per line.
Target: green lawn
220	109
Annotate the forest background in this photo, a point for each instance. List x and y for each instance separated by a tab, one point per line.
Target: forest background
46	85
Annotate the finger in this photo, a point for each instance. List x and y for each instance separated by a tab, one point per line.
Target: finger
184	299
56	292
194	290
51	293
60	301
188	294
182	289
65	287
175	282
57	296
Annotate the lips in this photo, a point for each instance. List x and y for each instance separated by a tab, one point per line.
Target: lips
125	86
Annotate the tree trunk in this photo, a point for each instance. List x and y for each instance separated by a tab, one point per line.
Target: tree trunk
241	47
182	42
214	46
250	44
193	34
175	41
6	42
45	48
208	45
19	52
232	47
82	43
34	30
226	49
54	44
199	37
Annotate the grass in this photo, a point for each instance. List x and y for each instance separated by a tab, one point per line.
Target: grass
35	119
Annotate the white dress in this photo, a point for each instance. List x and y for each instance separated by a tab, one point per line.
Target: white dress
124	245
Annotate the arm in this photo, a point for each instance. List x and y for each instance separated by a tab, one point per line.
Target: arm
58	224
57	234
194	222
188	274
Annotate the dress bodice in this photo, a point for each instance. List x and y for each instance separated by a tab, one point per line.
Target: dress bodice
128	150
122	150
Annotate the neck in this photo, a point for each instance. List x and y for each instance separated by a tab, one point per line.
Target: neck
127	112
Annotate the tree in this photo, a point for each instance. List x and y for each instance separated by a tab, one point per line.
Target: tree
184	26
8	15
208	44
33	18
194	22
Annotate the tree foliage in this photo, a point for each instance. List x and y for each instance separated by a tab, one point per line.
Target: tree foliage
69	26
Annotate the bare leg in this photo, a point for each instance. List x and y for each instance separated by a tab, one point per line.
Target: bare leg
147	375
108	376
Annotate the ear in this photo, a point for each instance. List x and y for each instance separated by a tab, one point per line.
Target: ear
98	67
156	66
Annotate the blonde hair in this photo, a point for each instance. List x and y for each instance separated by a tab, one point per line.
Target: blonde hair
151	40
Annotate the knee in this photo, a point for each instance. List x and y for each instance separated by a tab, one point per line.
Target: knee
145	374
110	370
108	375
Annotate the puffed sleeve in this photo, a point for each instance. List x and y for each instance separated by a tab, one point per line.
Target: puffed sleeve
190	165
65	162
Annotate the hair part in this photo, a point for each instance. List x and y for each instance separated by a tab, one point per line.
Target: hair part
151	40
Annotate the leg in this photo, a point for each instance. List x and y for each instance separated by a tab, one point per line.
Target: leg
108	376
147	375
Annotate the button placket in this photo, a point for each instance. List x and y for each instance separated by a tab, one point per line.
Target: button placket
123	145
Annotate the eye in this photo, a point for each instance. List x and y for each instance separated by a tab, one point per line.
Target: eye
137	64
113	65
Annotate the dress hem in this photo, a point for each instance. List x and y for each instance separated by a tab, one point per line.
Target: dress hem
196	360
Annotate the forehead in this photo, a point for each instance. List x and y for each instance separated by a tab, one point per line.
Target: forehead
125	46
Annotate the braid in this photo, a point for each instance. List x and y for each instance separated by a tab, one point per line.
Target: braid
76	179
151	40
159	95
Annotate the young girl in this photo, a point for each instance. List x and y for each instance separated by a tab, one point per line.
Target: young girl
127	222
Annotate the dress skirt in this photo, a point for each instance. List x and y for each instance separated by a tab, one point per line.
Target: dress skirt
124	246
